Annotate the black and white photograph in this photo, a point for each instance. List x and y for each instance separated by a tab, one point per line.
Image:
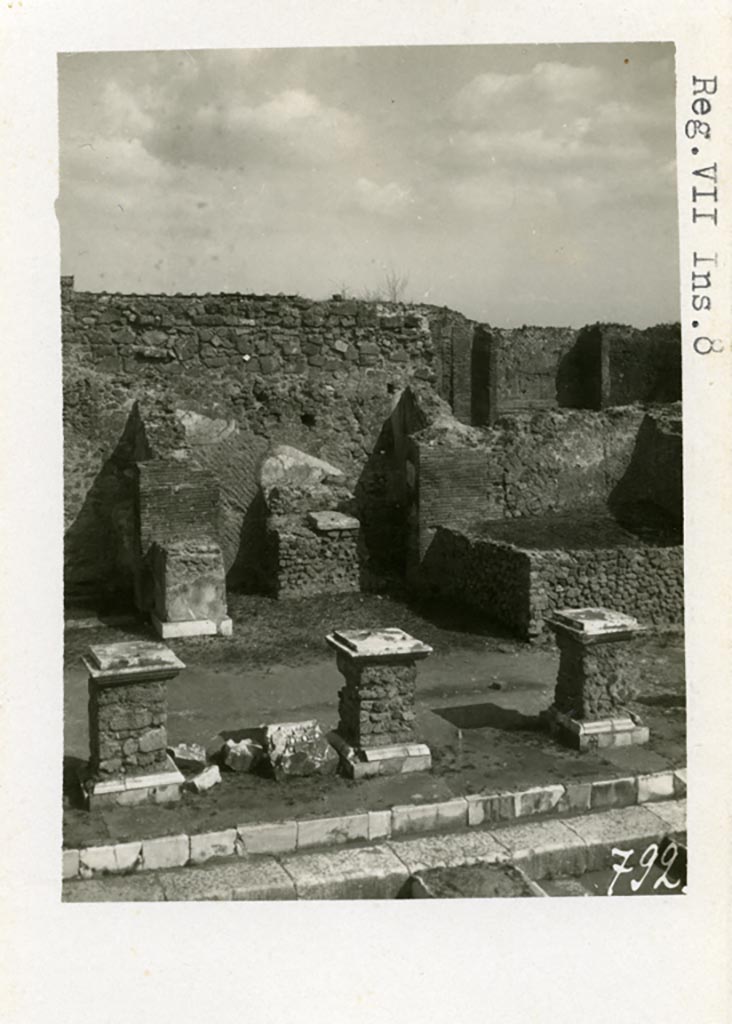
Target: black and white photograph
364	511
373	554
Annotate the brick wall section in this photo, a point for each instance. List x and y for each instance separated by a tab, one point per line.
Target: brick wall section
452	485
177	501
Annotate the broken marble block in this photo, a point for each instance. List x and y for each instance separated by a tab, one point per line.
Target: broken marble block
189	756
298	748
242	756
206	779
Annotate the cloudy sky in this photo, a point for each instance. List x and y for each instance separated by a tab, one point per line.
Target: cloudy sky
516	184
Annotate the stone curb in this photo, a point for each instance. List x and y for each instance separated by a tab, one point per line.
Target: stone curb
282	837
390	870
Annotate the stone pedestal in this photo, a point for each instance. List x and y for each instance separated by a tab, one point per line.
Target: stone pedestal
128	712
189	582
376	732
598	673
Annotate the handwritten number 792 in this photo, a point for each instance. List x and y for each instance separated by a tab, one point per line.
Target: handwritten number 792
646	861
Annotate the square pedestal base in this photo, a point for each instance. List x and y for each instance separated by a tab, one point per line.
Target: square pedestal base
594	735
191	627
159	788
397	759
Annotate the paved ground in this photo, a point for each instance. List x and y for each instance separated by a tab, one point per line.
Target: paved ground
479	695
574	856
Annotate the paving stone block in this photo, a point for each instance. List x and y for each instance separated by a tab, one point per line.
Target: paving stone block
680	782
110	859
275	837
70	867
657	786
538	800
672	814
212	844
491	808
629	828
114	889
476	881
165	852
330	831
128	856
261	879
607	793
543	848
371	872
577	797
446	851
379	824
429	817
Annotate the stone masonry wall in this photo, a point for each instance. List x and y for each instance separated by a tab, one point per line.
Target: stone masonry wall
127	726
647	582
524	367
520	588
641	366
304	562
526	466
376	705
222	378
477	573
218	379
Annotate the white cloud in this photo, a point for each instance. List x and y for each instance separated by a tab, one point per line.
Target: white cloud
291	126
481	99
390	199
496	194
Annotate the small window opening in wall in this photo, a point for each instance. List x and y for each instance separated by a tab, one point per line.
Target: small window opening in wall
390	388
308	419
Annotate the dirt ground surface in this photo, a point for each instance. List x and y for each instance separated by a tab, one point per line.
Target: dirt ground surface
479	696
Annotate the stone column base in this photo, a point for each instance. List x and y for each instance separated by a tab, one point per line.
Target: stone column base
594	735
366	762
191	627
158	788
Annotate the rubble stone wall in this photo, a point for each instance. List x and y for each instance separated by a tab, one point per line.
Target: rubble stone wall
216	380
127	728
519	588
644	581
222	378
376	705
303	561
480	573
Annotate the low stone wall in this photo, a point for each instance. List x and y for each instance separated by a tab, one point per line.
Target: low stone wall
646	582
301	561
491	576
519	588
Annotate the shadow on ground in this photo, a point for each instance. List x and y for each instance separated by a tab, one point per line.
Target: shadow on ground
480	716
